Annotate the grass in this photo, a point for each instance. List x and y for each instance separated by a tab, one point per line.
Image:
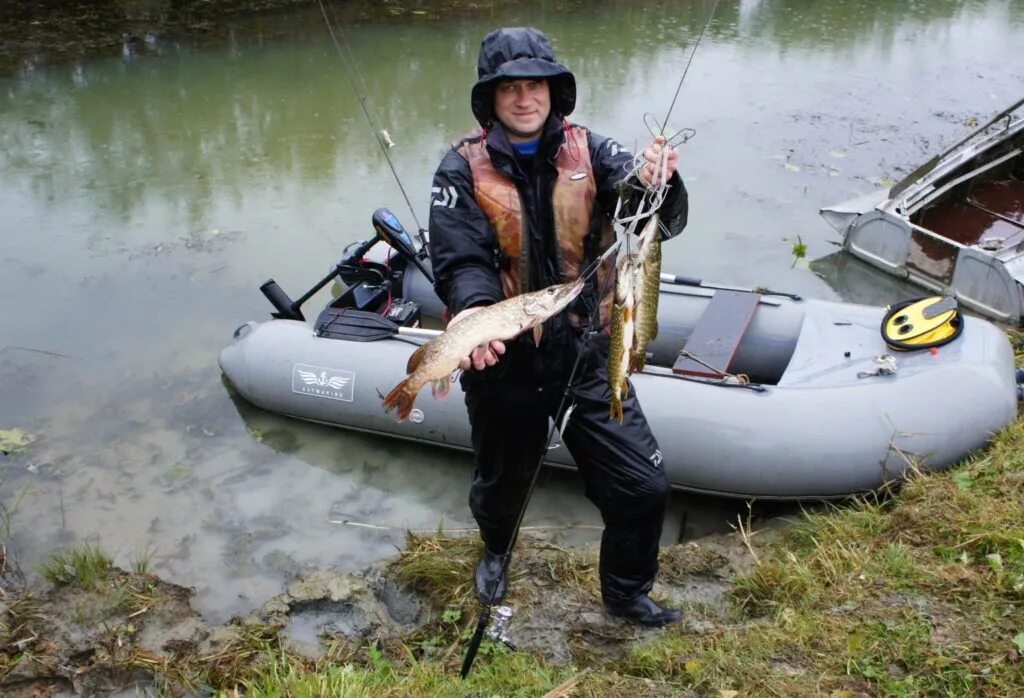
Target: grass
82	565
142	560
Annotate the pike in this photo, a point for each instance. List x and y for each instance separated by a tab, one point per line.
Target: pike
647	312
621	343
435	361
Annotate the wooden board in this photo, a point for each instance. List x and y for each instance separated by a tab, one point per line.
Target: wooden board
718	333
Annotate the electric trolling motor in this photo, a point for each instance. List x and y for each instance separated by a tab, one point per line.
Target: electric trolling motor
369	283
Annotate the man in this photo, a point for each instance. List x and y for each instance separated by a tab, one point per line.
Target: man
524	204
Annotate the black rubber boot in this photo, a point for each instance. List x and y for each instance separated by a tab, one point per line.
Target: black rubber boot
644	611
489	576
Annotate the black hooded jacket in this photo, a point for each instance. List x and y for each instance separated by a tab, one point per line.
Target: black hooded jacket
463	246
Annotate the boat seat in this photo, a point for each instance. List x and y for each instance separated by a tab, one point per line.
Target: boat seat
1002	197
717	335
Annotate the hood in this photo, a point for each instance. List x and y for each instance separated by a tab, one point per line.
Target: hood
520	52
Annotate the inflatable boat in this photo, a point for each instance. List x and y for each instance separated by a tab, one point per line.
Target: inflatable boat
751	394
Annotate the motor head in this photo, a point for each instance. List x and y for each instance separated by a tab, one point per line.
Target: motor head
391	231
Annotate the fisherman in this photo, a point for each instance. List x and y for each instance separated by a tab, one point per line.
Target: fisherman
521	205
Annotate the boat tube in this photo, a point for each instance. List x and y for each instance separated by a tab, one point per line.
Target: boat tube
813	403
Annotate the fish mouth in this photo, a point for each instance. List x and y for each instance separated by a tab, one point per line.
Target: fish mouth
572	291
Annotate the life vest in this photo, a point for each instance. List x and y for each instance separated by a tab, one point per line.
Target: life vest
573	199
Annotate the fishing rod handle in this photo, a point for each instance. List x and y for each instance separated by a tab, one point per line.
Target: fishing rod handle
474	644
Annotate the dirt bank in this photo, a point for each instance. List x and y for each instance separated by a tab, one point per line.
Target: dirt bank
126	630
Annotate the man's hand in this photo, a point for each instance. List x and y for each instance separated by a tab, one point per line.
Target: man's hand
484	355
653	154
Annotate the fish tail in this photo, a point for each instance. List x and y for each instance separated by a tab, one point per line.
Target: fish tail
615	412
401	399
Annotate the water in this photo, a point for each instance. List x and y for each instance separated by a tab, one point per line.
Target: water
145	199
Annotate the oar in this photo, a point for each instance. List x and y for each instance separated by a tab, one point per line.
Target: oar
690	281
363	326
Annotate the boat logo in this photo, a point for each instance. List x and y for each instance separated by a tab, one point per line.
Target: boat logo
416	416
319	381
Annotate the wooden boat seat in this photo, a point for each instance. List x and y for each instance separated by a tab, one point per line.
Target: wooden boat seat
717	335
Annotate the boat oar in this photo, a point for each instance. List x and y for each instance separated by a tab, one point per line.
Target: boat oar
690	281
363	326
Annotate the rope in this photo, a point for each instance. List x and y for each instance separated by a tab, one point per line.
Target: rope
740	378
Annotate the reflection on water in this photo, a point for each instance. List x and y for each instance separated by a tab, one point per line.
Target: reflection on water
145	200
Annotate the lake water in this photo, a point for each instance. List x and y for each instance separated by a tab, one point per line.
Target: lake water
143	199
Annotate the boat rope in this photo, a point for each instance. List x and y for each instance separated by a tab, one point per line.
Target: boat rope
382	137
741	379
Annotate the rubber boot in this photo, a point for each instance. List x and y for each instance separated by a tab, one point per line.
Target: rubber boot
643	610
489	578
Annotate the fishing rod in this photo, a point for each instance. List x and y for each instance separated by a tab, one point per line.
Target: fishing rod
380	135
679	87
561	415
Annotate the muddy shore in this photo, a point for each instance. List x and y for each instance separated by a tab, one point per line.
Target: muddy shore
133	631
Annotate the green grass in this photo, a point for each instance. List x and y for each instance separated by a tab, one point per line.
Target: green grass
142	560
503	674
82	565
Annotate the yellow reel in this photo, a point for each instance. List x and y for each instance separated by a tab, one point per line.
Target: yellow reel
922	323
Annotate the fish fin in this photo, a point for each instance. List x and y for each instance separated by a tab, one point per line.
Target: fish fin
416	359
440	387
401	399
537	332
615	412
637	361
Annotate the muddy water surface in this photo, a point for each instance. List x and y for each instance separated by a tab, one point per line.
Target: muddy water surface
144	199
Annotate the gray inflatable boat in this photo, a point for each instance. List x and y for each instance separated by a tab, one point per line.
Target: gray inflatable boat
811	403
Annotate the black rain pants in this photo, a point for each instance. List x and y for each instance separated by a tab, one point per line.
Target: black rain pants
509	407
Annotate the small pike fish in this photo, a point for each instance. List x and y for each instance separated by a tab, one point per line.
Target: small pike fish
621	344
647	310
435	361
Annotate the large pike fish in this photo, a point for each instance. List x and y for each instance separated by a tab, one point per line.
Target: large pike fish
435	361
647	308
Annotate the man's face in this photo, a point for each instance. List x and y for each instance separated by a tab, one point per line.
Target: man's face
522	107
